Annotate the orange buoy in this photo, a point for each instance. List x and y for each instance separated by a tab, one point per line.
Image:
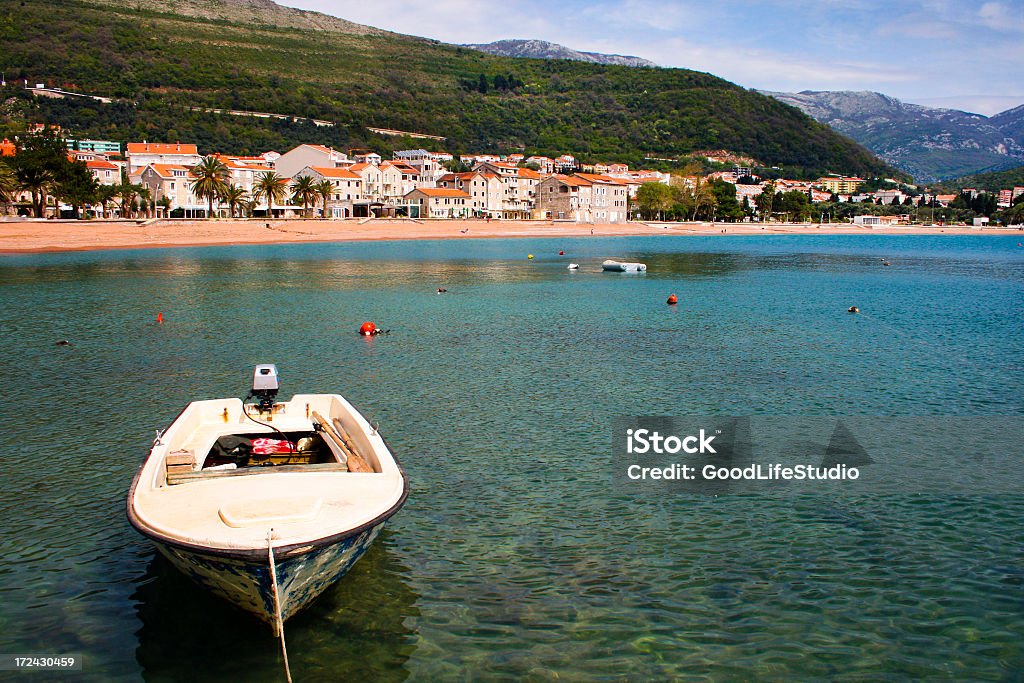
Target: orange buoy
672	300
160	318
367	329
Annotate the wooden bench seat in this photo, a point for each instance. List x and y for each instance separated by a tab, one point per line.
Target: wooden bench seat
202	475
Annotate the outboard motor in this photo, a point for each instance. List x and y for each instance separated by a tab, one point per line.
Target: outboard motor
265	386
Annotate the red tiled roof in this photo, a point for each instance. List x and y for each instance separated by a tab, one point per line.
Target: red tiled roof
573	180
404	168
331	172
160	148
164	170
441	192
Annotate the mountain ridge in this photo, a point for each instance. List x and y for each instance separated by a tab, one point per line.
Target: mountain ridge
265	12
929	143
542	49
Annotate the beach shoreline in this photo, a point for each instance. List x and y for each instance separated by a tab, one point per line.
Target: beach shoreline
32	236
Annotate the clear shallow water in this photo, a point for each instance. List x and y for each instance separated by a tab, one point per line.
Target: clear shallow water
515	556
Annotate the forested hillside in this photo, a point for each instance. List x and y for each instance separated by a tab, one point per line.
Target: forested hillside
159	65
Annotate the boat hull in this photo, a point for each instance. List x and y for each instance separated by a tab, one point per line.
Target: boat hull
245	581
622	267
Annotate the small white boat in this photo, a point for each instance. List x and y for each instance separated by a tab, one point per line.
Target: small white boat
623	267
267	504
574	266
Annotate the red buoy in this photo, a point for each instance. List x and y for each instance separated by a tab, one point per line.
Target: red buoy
561	253
672	300
367	329
160	318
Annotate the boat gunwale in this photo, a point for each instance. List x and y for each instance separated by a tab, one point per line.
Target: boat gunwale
283	552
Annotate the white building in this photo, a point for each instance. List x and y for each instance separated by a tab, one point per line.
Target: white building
294	160
141	154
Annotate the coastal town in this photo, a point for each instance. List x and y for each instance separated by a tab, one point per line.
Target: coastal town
178	180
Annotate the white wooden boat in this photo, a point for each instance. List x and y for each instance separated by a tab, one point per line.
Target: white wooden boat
623	266
267	532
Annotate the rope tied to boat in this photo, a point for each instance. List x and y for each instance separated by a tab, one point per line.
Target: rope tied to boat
278	619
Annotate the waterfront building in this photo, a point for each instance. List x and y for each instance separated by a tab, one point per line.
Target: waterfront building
348	189
438	202
142	154
485	190
298	158
582	198
105	172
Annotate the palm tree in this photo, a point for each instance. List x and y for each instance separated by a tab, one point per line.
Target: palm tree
235	197
145	198
211	181
271	187
8	185
304	190
324	189
106	195
37	180
127	192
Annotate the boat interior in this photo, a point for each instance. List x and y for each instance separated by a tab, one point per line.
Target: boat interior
223	438
307	448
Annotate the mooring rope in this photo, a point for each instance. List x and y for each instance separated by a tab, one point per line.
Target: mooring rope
278	620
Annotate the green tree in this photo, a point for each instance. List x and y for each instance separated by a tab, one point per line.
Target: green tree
269	186
324	190
145	200
75	184
127	192
726	206
654	199
482	85
984	204
165	204
235	197
210	181
39	160
962	201
765	201
304	190
8	186
106	194
1013	215
695	197
794	204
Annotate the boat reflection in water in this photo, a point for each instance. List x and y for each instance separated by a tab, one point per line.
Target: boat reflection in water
358	629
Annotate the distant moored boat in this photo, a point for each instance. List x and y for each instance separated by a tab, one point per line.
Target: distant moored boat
623	267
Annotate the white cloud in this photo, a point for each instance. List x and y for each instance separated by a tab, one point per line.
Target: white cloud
999	17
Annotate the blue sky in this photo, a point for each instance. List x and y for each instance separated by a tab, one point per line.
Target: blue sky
961	54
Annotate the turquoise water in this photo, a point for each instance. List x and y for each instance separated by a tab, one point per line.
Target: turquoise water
515	555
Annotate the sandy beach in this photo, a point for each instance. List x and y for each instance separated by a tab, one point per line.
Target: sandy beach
37	236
